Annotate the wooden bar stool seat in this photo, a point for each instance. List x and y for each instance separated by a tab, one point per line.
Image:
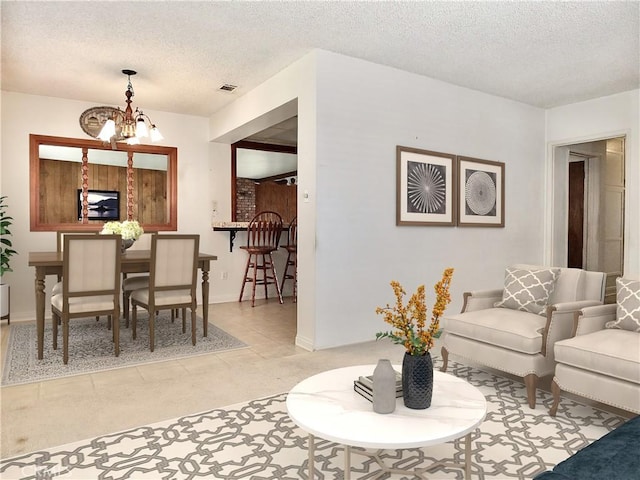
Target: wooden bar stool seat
263	237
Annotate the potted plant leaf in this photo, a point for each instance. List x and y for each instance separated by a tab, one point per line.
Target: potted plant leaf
5	256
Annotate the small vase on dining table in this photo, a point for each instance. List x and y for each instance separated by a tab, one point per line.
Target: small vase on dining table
126	243
417	381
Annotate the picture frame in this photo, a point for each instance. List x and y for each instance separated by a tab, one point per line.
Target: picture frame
101	204
481	192
426	187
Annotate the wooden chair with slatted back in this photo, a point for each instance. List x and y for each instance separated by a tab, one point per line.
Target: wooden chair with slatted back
263	237
292	258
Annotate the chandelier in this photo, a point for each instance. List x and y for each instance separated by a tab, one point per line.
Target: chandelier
129	125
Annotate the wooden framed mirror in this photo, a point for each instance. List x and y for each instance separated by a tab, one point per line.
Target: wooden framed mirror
80	184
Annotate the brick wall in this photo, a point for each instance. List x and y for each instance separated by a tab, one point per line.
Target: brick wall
245	199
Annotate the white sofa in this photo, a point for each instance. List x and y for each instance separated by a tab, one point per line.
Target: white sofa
498	328
602	360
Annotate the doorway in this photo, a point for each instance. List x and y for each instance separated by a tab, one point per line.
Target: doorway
590	188
575	225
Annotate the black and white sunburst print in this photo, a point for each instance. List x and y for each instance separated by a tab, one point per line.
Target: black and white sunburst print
426	188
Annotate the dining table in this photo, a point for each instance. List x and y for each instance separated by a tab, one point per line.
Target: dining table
131	261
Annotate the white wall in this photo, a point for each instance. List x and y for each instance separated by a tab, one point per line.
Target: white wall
351	116
25	114
597	119
364	111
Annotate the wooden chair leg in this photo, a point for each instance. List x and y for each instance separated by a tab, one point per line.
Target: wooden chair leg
555	390
125	307
193	326
65	340
275	278
134	321
286	269
184	324
116	332
445	359
152	328
531	382
265	275
54	322
295	277
255	280
244	278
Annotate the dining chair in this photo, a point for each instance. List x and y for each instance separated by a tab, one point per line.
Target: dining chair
137	281
292	258
60	234
263	237
172	282
90	284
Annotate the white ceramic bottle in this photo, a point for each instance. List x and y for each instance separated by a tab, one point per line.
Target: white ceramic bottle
384	387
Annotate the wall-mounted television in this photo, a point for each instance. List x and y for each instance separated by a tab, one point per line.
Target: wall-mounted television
103	205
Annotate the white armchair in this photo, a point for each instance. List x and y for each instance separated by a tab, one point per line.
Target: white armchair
514	329
602	360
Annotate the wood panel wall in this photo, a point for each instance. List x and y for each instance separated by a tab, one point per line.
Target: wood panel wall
61	180
279	198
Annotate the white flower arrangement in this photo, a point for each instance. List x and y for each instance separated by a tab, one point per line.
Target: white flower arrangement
128	230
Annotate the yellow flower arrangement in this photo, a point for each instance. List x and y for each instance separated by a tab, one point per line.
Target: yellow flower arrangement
409	321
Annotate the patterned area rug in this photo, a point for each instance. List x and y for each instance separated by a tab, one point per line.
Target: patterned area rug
258	441
91	347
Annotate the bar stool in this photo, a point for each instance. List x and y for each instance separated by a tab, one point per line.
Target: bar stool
292	256
263	237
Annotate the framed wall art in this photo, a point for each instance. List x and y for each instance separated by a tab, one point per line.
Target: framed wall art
426	187
481	193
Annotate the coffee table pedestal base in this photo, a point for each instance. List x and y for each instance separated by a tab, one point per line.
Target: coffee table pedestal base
376	455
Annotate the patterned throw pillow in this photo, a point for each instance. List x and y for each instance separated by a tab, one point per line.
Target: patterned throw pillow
528	290
628	300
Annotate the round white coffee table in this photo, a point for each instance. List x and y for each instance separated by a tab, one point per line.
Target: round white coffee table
326	406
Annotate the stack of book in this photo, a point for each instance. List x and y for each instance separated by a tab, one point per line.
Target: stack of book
364	386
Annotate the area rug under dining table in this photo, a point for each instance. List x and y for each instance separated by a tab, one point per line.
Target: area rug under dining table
91	347
257	440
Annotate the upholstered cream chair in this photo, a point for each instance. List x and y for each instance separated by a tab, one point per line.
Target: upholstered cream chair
60	234
90	284
513	329
136	281
172	282
602	360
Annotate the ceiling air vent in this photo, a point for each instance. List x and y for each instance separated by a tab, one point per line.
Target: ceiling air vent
228	87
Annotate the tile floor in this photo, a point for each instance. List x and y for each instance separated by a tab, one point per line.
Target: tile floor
55	412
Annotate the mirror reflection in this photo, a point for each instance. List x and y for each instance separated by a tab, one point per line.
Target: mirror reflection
83	183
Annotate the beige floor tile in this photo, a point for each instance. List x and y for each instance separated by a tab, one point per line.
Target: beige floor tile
61	388
153	372
116	377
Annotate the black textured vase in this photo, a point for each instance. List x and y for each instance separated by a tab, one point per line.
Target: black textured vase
417	381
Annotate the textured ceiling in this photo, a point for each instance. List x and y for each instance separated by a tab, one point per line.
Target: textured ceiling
541	53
